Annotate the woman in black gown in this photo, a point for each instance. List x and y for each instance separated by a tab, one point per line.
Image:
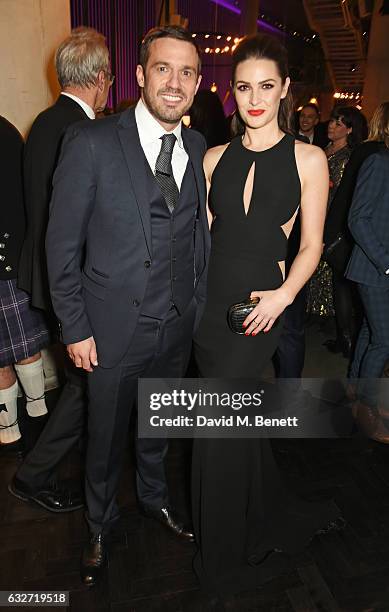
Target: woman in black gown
243	516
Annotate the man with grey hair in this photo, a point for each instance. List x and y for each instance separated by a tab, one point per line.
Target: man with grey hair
83	70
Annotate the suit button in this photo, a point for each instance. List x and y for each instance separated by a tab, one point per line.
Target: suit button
174	259
2	257
6	235
135	303
174	278
2	245
8	269
174	239
147	263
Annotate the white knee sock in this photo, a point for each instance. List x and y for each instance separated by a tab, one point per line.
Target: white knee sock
33	382
9	414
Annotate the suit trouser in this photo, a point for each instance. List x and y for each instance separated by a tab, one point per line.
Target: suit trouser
372	349
290	354
158	349
61	432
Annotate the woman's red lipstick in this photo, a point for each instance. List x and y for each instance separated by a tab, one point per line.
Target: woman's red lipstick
256	113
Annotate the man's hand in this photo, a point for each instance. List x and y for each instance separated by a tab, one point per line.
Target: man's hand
83	354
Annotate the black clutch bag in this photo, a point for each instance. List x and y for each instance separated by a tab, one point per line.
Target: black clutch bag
237	313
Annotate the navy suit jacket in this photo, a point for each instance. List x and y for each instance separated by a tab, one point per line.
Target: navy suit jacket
369	223
100	203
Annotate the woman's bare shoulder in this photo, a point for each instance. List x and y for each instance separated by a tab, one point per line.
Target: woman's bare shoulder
303	149
212	157
309	156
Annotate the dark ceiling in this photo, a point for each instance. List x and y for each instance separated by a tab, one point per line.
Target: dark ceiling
289	12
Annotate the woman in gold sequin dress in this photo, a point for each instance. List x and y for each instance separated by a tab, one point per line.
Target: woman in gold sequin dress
346	129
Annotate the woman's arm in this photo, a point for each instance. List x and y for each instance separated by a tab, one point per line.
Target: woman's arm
313	171
211	159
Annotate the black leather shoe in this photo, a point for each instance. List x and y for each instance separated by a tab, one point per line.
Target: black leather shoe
93	560
166	517
51	497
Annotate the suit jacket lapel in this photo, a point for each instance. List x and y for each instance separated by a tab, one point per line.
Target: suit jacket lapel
136	162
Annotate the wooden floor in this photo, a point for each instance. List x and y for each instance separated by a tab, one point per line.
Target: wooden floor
150	571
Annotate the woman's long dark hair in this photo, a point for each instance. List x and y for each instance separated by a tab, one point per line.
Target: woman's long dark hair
352	118
263	46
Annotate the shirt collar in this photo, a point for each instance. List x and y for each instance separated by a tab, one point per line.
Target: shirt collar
310	137
149	129
85	107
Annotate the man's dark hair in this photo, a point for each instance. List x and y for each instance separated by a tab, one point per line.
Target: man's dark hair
171	31
312	105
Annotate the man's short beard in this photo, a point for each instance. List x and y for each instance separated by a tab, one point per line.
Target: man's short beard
165	118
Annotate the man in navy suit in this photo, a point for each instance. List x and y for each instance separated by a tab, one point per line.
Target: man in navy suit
369	267
129	192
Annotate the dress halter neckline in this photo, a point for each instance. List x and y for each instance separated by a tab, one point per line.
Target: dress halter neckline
265	150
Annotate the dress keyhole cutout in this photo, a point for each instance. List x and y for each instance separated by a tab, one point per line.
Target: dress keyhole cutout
248	189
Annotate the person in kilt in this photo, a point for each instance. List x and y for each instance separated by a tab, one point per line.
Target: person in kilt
23	332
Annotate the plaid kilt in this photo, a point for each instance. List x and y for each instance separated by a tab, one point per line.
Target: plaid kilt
23	331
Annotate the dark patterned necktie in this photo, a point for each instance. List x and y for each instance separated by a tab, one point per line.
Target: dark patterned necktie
164	171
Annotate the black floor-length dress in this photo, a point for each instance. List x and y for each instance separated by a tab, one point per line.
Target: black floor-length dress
241	510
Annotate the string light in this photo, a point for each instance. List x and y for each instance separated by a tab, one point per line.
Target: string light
268	21
214	87
347	95
230	38
313	100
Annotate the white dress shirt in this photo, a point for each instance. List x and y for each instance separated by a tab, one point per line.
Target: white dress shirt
85	107
310	137
150	132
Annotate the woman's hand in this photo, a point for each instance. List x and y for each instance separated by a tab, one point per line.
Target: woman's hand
272	304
